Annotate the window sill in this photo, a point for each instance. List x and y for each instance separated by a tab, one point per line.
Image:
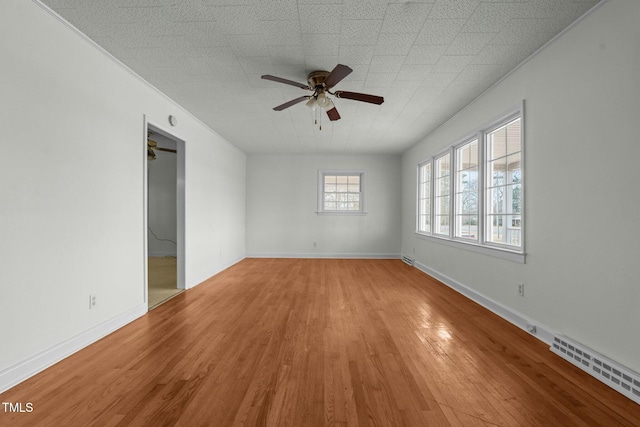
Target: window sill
341	213
514	256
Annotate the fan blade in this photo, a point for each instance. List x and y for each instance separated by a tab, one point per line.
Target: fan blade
337	74
290	103
168	150
373	99
333	114
285	81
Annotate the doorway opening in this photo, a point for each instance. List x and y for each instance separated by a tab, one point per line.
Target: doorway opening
164	197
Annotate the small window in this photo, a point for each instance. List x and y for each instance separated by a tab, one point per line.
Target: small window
341	192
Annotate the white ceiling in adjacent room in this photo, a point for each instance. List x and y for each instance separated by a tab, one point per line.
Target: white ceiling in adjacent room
427	58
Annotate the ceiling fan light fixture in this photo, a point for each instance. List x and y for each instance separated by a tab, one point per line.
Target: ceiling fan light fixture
329	105
322	100
311	103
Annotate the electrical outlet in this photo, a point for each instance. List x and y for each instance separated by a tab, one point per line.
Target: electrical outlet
521	289
531	328
92	301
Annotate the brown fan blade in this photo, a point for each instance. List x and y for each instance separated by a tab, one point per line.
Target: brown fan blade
290	103
373	99
337	74
333	114
285	81
168	150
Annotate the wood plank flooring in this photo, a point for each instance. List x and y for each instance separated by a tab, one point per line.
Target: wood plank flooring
291	342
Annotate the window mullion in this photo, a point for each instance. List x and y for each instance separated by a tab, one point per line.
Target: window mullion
452	192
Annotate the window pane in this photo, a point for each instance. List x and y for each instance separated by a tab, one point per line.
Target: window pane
425	206
442	205
513	136
513	167
426	173
496	200
444	185
516	200
342	179
496	228
443	166
329	179
473	154
467	227
353	188
497	171
354	180
330	206
442	224
497	144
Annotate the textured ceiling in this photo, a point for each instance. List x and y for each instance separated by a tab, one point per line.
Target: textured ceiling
427	58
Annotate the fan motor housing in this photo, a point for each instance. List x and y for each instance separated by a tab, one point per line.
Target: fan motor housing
316	78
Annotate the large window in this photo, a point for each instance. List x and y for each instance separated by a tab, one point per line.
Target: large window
341	192
441	194
473	192
504	186
424	198
466	184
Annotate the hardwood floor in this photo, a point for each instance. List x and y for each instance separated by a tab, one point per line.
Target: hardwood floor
290	342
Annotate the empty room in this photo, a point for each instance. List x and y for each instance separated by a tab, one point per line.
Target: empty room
320	213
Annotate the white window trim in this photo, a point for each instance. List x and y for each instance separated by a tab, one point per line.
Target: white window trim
481	245
344	172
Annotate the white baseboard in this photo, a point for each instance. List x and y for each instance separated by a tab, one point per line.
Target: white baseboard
543	333
218	269
325	255
14	375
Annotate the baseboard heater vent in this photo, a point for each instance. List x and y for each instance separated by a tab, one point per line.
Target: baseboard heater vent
609	372
408	261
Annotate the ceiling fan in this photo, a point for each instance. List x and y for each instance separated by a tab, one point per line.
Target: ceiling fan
319	82
152	145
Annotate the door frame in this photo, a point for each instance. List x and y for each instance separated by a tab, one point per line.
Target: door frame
180	203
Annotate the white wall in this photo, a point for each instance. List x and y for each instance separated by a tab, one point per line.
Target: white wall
162	184
72	184
582	119
282	204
